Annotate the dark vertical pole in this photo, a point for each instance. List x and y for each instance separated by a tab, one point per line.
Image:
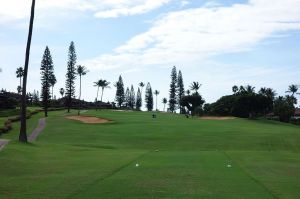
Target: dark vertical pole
23	134
79	94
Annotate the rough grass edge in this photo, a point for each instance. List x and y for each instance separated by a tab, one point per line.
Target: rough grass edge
8	123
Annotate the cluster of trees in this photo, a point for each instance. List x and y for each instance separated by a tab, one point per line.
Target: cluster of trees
284	106
48	79
131	100
246	103
187	102
8	100
192	102
176	91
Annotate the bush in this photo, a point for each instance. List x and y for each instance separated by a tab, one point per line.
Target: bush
8	123
284	108
295	121
245	105
193	103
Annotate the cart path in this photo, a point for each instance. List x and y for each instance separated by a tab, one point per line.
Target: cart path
35	133
3	143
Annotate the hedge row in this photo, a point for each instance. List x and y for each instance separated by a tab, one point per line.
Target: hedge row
8	123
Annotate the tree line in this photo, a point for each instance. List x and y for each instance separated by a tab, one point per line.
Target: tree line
247	103
244	102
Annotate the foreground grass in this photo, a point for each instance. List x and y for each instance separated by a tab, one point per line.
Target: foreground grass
178	158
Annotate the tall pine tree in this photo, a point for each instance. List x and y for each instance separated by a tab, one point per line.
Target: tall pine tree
71	75
127	97
47	74
149	97
132	98
180	90
138	103
173	97
120	95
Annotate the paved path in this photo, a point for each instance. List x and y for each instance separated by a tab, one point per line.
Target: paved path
37	130
32	137
3	143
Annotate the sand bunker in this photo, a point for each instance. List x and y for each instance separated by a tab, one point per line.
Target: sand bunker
217	118
89	119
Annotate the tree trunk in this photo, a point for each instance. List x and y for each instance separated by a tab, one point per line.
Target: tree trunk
97	94
97	98
69	103
69	97
52	92
164	107
20	84
102	94
23	134
156	102
46	108
79	94
141	96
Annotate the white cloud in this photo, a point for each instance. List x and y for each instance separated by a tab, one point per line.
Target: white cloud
19	9
184	3
131	8
191	35
212	4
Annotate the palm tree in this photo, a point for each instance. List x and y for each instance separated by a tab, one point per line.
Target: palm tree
235	89
97	84
271	93
292	89
81	71
195	86
250	89
241	89
20	74
141	84
103	84
262	90
52	83
156	93
23	134
268	92
62	92
164	101
188	92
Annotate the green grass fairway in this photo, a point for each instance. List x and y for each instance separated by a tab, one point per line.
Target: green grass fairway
177	157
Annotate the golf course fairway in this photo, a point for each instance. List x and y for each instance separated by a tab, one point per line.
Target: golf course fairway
137	156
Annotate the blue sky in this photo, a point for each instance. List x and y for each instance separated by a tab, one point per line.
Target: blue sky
217	43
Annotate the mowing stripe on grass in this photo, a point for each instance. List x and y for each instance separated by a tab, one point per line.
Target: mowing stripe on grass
87	186
250	176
